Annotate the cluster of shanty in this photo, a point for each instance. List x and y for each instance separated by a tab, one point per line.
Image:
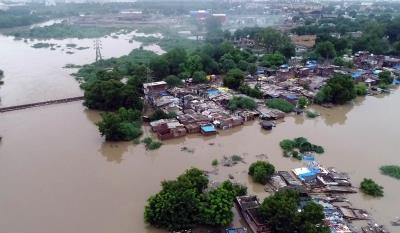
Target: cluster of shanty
315	183
203	108
199	109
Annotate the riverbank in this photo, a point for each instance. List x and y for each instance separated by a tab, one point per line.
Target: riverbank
68	169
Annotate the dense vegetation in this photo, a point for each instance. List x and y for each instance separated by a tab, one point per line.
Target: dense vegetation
184	203
241	103
379	34
16	17
261	171
280	104
282	214
123	125
64	30
302	145
391	170
369	187
338	90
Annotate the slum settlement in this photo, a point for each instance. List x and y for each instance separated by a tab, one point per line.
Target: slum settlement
315	183
205	108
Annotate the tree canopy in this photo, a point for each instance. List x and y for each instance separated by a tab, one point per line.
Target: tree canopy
282	214
184	203
261	171
338	90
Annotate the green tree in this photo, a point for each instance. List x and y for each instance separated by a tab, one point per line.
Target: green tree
243	65
261	171
175	59
273	60
216	210
369	187
199	77
326	50
173	81
159	66
281	213
175	207
273	40
385	77
338	90
193	64
107	92
122	125
233	79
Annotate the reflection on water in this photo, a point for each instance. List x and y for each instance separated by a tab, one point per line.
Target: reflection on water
114	151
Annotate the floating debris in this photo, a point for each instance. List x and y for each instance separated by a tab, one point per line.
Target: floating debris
186	149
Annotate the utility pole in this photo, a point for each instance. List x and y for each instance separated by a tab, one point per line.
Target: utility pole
97	46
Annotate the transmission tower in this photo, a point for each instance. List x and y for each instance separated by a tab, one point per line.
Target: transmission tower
97	46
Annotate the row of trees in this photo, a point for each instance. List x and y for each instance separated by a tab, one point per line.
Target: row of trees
184	203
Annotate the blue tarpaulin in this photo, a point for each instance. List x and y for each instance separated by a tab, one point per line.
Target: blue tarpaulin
307	157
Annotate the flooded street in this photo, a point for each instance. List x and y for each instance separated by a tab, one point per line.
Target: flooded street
57	174
37	74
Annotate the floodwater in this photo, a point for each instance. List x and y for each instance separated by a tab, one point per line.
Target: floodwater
58	175
37	74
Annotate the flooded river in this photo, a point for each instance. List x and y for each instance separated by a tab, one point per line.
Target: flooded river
36	74
58	175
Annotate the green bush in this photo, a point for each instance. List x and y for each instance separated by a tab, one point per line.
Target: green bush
361	89
261	171
160	114
369	187
252	92
287	144
151	144
214	162
302	102
391	170
280	104
291	148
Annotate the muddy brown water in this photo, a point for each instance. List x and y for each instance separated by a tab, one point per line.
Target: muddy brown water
58	175
36	75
